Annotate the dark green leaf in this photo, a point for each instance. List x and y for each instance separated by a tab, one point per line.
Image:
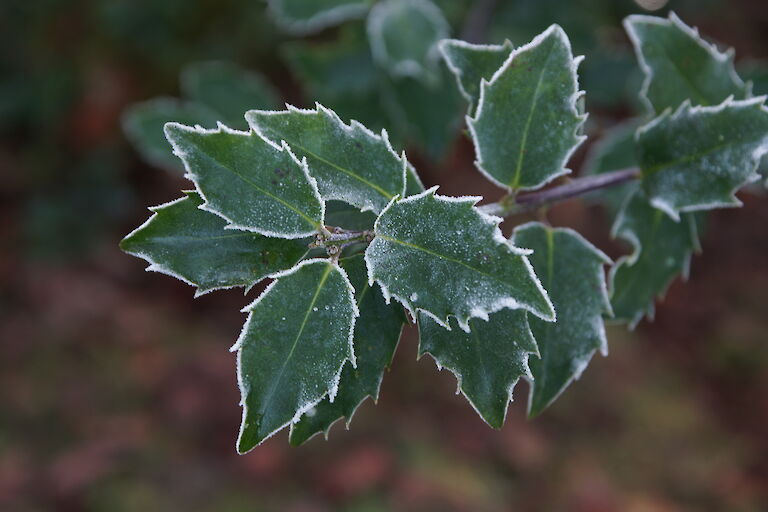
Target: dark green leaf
487	361
250	182
571	270
527	123
662	251
377	331
443	256
349	162
679	65
472	63
185	242
698	157
293	346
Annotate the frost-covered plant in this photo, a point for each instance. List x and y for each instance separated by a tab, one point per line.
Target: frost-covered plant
355	248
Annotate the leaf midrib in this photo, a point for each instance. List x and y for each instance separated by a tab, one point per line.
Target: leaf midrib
285	203
537	91
441	256
377	188
268	396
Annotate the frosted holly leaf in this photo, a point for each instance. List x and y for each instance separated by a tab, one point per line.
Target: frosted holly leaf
349	162
403	35
228	89
442	256
252	183
679	65
487	361
528	123
377	332
185	242
143	125
698	157
292	348
308	16
662	250
571	270
614	151
472	63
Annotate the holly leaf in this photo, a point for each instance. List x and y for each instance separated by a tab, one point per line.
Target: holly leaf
377	332
662	250
403	35
571	270
349	162
487	361
472	63
250	182
293	346
698	157
527	124
679	65
227	89
302	17
442	256
143	125
192	245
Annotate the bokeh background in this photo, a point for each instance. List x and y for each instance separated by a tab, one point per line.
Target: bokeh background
117	389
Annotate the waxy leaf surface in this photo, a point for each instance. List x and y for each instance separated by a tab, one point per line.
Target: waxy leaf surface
571	270
193	245
698	157
443	256
472	63
487	361
349	162
527	122
292	348
250	182
679	65
377	332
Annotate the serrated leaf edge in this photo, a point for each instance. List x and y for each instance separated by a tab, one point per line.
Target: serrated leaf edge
409	67
154	266
459	377
692	32
631	259
508	303
574	101
347	128
457	71
318	22
581	364
687	108
221	127
334	383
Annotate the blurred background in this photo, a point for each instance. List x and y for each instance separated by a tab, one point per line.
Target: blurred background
118	391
